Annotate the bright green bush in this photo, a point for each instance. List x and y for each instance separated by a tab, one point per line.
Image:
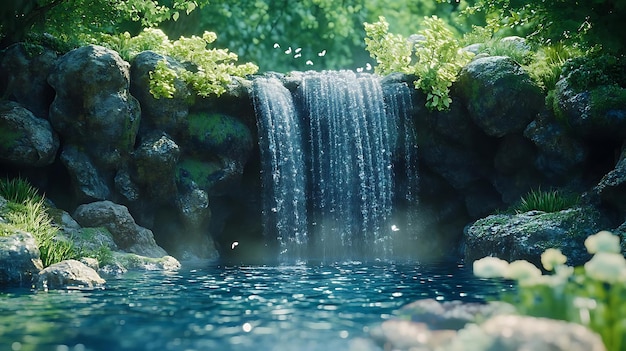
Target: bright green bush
591	295
435	61
212	70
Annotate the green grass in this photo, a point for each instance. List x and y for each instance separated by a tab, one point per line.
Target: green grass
26	211
546	201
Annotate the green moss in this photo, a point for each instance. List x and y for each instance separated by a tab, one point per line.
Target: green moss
606	98
217	129
202	173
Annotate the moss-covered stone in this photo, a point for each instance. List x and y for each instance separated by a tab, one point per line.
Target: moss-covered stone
203	174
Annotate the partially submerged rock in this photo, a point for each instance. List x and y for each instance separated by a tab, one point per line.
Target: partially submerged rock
68	274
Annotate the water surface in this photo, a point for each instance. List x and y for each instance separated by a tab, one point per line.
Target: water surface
260	308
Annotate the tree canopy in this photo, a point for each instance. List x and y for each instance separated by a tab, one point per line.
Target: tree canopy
283	35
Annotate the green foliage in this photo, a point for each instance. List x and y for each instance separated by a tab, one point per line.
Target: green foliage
589	23
26	211
591	295
546	66
587	72
212	70
546	201
436	60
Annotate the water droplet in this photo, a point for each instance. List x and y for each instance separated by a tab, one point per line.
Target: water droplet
297	55
394	228
234	245
309	63
288	51
322	53
298	50
247	327
276	45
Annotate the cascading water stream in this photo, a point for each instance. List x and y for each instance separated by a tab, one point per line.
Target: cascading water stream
330	164
280	142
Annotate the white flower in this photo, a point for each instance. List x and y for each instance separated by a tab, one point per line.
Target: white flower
490	267
607	267
522	270
552	258
603	241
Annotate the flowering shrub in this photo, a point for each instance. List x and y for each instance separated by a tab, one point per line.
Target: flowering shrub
591	295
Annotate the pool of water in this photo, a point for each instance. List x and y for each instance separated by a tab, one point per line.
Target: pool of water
203	307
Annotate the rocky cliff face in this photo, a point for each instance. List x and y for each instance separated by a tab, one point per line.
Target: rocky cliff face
84	127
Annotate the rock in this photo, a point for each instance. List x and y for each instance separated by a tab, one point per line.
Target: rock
93	108
452	315
19	259
515	333
90	262
124	262
154	166
500	96
87	181
24	70
25	140
610	192
396	334
560	154
596	114
68	274
218	136
126	233
526	236
167	115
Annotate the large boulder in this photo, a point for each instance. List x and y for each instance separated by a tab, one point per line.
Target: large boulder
24	70
596	114
154	166
93	108
25	140
126	233
19	259
68	274
526	236
610	192
163	114
500	96
88	182
560	154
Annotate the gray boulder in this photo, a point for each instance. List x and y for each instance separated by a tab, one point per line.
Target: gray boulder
560	153
24	70
168	115
527	235
93	108
87	181
126	233
19	259
25	140
154	166
500	96
68	274
514	333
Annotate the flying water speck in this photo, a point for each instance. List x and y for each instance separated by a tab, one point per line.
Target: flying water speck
322	53
309	63
276	45
288	51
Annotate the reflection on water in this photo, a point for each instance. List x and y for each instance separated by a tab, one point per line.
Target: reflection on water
229	308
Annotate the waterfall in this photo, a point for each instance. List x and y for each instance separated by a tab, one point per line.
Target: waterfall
282	158
331	153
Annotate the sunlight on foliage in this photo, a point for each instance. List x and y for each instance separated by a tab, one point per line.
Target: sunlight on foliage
591	295
26	211
212	71
435	59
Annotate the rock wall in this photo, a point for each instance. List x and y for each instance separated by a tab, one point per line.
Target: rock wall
83	127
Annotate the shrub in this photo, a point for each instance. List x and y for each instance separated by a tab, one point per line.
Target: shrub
435	61
208	72
591	295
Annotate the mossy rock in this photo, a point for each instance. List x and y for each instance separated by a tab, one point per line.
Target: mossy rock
223	136
204	174
527	235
